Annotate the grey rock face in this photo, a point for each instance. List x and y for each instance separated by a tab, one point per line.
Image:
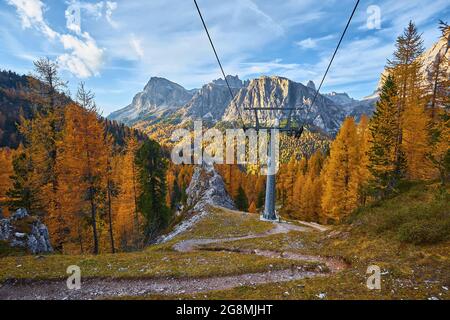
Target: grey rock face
311	85
212	99
269	92
35	241
352	107
158	96
207	188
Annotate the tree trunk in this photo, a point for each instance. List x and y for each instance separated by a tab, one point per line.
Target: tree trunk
113	249
94	221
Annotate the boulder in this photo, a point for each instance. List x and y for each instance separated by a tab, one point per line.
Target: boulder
24	231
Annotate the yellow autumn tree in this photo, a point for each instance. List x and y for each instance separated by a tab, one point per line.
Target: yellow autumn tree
340	193
84	163
127	221
6	171
364	174
252	208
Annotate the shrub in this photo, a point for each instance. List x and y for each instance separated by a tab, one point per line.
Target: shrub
424	232
6	250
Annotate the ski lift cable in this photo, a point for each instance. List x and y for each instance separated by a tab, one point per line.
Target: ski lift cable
335	51
218	61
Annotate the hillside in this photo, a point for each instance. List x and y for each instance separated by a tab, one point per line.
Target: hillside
18	99
233	255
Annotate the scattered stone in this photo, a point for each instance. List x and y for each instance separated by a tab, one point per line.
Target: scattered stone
322	295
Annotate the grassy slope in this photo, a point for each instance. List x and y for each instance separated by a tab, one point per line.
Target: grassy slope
372	236
156	261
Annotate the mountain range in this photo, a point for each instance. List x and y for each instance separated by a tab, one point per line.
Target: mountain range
162	99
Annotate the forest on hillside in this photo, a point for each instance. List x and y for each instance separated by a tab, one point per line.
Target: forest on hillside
98	186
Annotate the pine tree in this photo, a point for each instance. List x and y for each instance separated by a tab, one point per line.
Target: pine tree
112	188
416	140
439	155
83	167
21	194
405	68
241	200
385	166
438	90
151	176
6	171
261	194
340	194
298	196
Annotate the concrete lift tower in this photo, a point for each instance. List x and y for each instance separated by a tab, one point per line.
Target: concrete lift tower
269	213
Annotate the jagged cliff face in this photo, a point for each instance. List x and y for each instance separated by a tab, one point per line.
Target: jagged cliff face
159	96
353	107
268	92
212	99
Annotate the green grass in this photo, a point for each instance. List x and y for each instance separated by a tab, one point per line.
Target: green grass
6	250
146	264
418	215
223	223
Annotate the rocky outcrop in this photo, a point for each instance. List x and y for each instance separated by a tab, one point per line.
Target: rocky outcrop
24	231
206	189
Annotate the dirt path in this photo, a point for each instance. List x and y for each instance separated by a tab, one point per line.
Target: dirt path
98	288
333	264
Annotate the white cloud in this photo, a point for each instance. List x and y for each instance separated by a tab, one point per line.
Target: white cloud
310	43
110	7
31	15
137	46
83	58
76	9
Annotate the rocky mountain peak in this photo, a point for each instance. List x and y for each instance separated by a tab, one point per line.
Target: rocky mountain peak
233	81
159	95
311	85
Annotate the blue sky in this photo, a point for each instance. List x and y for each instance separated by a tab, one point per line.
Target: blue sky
118	45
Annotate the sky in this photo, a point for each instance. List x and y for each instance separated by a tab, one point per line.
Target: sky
116	46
